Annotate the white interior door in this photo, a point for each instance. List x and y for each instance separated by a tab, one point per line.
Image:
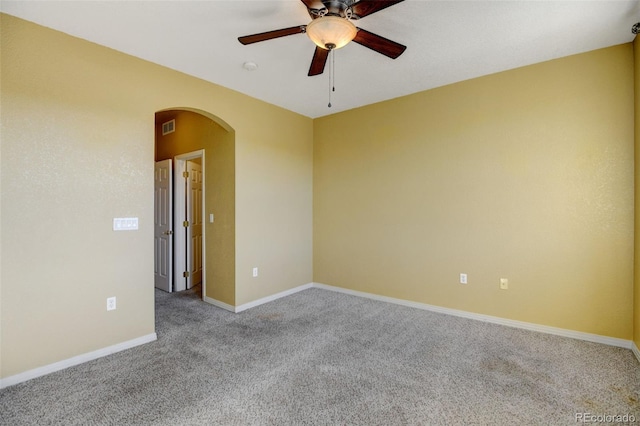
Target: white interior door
184	220
194	217
163	234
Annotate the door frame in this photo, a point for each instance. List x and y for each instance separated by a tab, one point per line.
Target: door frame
179	216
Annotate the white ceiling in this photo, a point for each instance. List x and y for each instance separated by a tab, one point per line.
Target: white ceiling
447	41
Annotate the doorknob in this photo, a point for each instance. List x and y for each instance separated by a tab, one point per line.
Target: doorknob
169	232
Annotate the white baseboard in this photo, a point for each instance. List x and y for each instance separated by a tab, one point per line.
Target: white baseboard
219	304
589	337
596	338
70	362
635	350
253	304
273	297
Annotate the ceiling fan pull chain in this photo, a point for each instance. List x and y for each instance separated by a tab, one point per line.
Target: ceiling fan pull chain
333	70
331	85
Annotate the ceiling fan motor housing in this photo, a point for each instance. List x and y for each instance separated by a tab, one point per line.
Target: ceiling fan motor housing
341	8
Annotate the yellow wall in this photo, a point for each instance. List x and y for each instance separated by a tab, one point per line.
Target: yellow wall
636	280
525	174
78	150
193	132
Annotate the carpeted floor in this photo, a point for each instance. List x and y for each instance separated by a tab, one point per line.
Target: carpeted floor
324	358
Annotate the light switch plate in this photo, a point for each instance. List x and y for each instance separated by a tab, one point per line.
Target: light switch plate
125	223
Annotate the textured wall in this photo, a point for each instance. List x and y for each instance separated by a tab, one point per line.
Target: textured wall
78	150
526	175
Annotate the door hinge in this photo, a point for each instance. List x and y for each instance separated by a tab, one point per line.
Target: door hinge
185	274
185	223
185	174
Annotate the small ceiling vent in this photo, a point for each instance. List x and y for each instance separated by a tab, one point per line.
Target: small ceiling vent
169	127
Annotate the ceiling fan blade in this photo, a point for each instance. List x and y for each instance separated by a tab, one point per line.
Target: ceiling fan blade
379	44
318	62
367	7
313	4
254	38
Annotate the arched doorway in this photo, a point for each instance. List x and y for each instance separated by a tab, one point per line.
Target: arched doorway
189	136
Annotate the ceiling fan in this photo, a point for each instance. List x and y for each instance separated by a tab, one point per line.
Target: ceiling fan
331	28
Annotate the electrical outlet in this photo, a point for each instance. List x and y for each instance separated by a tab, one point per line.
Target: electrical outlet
463	278
255	272
111	303
504	284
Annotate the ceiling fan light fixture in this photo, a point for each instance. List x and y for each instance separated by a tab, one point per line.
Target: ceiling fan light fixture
331	32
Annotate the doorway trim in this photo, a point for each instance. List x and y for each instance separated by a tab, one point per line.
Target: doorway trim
179	216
